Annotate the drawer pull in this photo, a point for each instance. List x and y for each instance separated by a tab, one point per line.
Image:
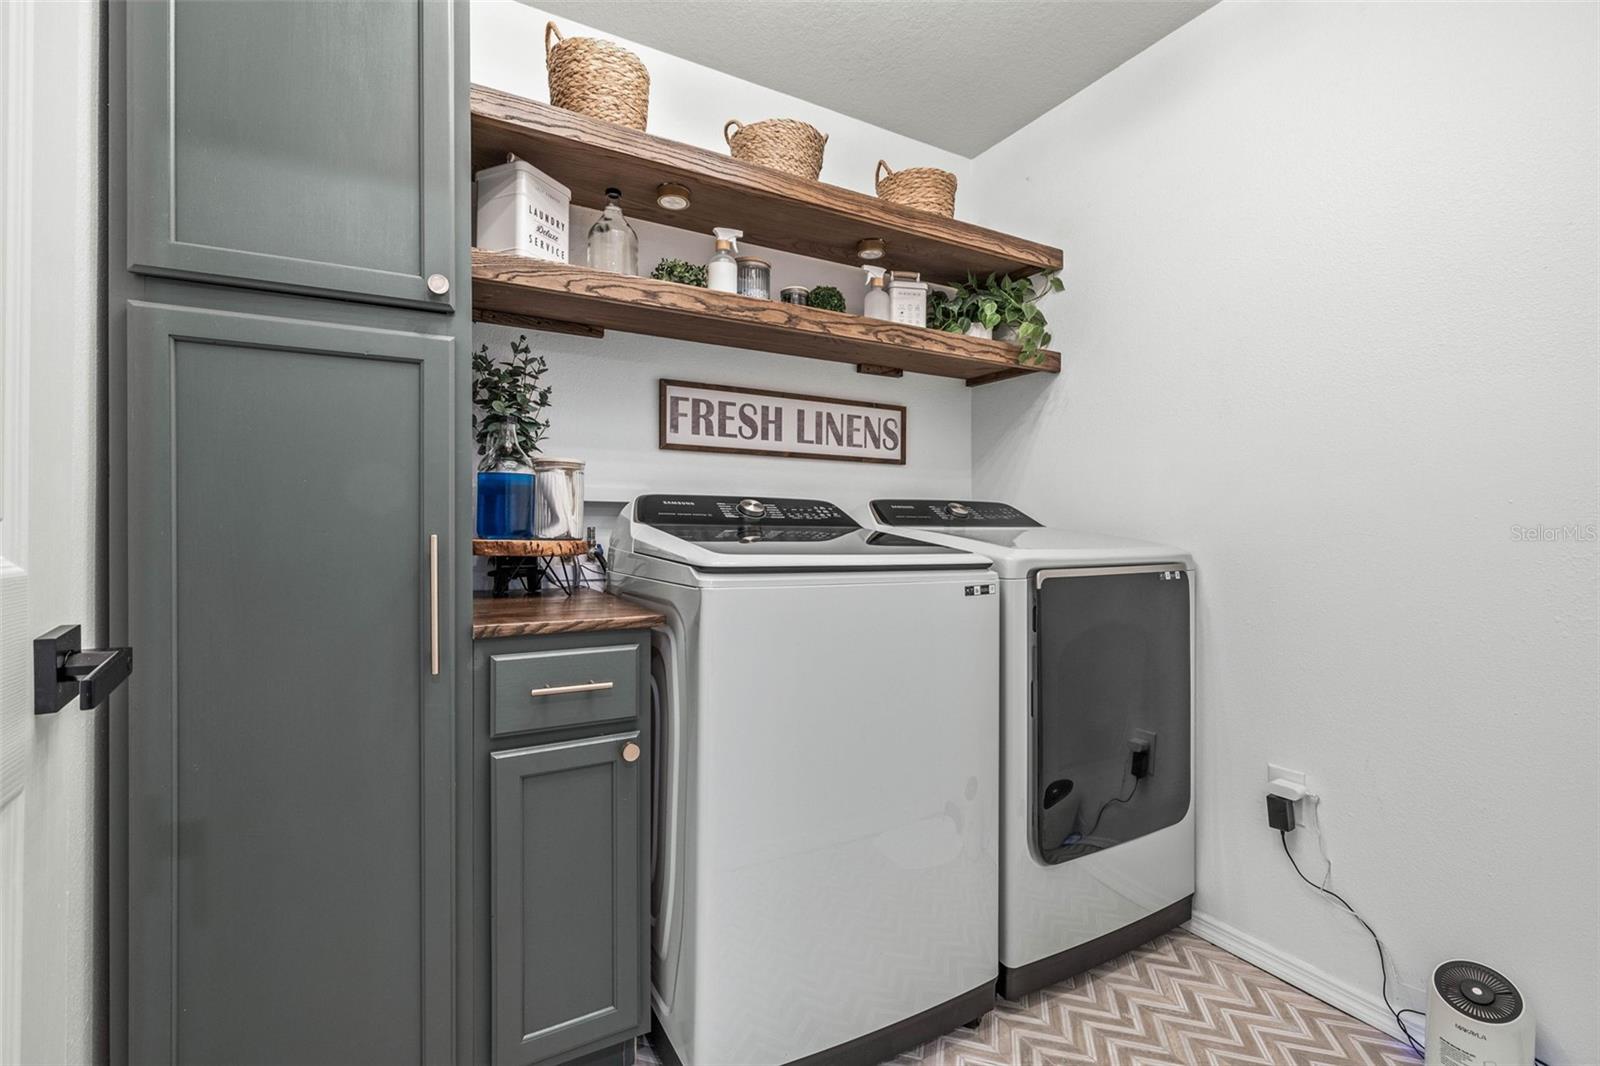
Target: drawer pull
563	690
630	752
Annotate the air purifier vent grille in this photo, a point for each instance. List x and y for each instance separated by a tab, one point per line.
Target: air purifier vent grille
1478	992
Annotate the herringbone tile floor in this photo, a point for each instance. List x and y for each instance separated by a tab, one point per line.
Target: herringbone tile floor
1176	1001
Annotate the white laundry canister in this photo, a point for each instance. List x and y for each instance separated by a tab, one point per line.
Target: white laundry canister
522	210
557	499
908	299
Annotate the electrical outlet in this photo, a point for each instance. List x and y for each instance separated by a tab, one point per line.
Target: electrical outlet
1292	785
1283	773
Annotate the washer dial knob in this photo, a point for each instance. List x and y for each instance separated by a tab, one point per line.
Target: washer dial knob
753	509
958	511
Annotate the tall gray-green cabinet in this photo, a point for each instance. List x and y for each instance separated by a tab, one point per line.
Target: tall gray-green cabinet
287	294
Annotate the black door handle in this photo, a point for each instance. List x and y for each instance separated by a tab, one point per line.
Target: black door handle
62	670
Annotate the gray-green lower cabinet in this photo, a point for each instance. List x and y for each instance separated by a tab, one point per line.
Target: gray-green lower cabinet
290	725
565	868
566	746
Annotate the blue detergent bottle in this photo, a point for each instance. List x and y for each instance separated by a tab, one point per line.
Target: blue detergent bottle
505	488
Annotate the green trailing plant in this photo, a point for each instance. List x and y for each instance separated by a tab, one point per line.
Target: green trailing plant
825	297
998	303
943	310
680	270
508	391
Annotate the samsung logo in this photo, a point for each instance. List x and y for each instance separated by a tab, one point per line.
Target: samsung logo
679	503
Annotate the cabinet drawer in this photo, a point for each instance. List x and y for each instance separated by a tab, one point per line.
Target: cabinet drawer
560	689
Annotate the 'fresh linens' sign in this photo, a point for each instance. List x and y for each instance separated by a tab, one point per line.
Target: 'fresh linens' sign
722	418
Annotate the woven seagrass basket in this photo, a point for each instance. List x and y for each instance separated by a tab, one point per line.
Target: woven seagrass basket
597	78
924	188
780	143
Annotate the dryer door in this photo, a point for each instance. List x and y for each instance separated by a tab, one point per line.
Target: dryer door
1111	670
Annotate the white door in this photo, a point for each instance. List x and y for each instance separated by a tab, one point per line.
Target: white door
51	792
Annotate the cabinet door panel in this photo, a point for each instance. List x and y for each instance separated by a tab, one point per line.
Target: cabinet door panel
568	872
289	745
293	144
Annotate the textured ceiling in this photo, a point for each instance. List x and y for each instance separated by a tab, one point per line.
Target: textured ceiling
959	74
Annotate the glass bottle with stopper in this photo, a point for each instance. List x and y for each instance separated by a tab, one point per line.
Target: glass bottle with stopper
505	488
613	245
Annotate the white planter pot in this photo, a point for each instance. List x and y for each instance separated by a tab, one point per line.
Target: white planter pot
978	329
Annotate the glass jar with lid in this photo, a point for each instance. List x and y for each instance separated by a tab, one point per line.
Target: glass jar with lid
755	277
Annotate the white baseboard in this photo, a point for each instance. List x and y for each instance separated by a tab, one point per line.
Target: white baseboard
1359	1003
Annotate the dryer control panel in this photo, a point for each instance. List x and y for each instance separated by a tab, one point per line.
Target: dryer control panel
735	511
931	514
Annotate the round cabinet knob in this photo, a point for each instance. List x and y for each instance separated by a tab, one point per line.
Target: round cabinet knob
630	752
752	508
958	510
438	284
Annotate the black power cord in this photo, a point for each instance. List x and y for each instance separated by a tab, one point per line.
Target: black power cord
1101	813
1383	959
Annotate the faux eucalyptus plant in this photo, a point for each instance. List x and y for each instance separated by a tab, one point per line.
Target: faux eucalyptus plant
508	391
998	303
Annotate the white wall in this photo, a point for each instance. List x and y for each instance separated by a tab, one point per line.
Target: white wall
1330	323
604	407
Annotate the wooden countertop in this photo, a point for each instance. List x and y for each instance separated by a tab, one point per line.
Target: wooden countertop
585	611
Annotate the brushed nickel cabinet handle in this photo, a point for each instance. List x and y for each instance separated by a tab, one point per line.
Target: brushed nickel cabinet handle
438	284
433	602
563	690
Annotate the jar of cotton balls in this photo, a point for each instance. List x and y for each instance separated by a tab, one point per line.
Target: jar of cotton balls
557	499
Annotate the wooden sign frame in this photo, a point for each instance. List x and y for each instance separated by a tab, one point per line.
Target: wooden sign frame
668	384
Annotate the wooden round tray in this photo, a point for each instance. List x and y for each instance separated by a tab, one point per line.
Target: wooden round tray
557	549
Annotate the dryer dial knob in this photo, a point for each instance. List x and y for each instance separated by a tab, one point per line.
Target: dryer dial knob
752	509
957	510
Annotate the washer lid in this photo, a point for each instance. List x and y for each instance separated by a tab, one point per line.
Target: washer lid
775	533
1017	544
948	514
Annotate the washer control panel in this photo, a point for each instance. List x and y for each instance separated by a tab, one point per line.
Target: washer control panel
948	514
763	512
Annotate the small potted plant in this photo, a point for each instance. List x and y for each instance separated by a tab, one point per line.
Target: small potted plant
826	297
508	422
680	270
1005	308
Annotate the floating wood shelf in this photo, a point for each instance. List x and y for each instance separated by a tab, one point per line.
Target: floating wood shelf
530	549
507	285
774	209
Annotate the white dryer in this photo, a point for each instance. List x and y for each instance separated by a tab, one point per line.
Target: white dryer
1097	715
826	849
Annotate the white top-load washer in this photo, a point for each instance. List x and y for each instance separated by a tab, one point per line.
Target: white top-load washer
1097	714
825	850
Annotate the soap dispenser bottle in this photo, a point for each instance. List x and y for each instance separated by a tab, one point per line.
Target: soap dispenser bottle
875	304
722	272
613	245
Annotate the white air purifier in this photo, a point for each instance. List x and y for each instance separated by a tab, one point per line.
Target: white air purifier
1477	1017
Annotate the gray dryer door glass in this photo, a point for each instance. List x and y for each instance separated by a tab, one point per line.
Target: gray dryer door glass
1112	673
